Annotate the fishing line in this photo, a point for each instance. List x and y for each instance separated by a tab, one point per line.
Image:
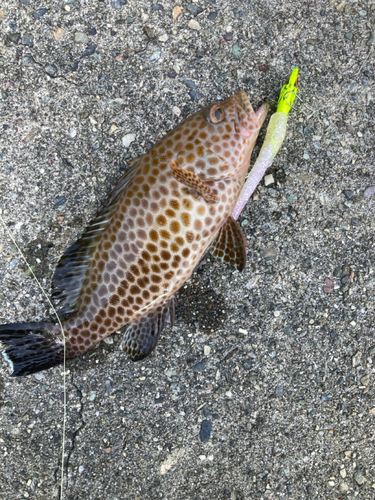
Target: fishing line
64	360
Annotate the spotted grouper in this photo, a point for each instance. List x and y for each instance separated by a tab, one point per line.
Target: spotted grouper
171	206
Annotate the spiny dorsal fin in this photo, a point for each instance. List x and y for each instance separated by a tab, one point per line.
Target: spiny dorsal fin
229	246
72	267
192	181
141	336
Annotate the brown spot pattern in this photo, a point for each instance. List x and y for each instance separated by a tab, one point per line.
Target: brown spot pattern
182	192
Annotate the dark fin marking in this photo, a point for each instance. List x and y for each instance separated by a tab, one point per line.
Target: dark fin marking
192	181
72	268
229	246
141	336
31	347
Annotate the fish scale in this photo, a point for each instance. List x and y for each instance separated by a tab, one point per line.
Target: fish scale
173	204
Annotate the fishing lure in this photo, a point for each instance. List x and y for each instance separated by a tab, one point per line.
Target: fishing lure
275	136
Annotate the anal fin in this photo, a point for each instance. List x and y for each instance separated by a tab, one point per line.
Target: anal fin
190	180
143	334
229	246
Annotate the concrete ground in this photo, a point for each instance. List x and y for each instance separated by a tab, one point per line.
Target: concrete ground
264	388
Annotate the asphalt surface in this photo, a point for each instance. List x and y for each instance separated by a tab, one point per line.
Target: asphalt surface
264	388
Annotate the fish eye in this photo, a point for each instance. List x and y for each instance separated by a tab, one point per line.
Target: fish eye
216	114
219	114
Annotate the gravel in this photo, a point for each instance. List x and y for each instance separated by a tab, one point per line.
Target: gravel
282	402
205	431
194	95
194	9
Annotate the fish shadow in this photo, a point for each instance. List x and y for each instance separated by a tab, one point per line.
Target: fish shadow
201	309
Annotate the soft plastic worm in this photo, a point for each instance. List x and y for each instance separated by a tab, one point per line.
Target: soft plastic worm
274	138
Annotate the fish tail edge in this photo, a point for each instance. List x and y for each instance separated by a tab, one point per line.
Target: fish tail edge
31	347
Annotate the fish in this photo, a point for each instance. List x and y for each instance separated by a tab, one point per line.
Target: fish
172	206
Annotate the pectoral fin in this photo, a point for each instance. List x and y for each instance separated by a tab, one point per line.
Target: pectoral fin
229	246
190	180
141	336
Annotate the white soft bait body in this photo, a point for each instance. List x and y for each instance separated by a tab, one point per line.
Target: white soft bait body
274	138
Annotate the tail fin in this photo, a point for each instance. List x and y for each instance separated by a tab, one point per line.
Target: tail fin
31	347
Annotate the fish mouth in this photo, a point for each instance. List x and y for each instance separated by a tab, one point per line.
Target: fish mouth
244	102
247	121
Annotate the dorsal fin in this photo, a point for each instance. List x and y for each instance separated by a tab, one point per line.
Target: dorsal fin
229	246
73	265
142	335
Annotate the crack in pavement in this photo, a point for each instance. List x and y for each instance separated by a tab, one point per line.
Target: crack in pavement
72	436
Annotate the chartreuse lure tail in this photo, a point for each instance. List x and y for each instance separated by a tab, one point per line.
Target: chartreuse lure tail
274	138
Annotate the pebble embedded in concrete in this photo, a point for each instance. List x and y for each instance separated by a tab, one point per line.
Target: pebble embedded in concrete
268	180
